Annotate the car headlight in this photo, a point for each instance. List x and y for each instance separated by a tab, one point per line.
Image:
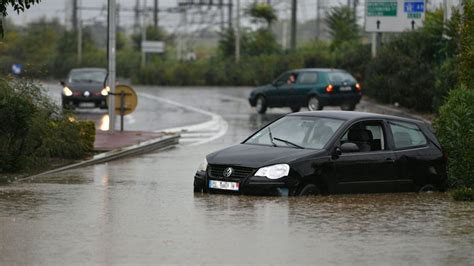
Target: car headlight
67	91
104	92
274	171
203	166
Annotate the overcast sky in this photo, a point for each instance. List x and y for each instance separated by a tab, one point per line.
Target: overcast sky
61	9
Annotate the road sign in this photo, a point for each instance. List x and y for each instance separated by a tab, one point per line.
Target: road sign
382	8
394	15
129	100
16	69
153	47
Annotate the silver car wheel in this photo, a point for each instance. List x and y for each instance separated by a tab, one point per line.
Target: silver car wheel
313	104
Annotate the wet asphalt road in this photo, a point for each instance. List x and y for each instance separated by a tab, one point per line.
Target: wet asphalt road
142	210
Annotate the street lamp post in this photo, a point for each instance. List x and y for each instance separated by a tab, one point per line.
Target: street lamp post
111	60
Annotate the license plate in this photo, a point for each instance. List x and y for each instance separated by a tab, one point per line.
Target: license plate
347	88
87	105
234	186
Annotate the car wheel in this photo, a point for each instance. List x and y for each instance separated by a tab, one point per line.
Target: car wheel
348	107
314	104
427	188
295	109
309	190
197	189
261	105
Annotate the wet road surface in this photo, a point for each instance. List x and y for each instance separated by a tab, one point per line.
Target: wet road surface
142	210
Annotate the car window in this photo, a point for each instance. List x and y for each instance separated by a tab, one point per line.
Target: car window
368	136
406	135
339	77
307	78
87	76
282	79
307	132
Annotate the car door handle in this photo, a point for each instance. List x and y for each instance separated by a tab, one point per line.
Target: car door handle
390	160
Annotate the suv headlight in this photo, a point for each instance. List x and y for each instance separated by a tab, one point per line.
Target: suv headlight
274	171
67	91
203	166
104	92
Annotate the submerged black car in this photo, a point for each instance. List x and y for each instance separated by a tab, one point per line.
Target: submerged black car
85	86
328	152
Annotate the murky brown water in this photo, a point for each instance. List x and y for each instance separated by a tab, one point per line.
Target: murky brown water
142	210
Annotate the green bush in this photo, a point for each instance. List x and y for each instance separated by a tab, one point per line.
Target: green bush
455	130
463	194
405	69
34	129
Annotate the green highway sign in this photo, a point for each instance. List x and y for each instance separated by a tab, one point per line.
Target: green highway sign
382	8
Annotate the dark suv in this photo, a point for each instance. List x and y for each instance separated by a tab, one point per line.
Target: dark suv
313	88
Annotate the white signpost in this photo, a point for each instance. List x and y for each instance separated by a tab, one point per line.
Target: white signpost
153	47
394	15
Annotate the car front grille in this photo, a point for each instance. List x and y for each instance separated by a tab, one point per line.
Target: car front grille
217	171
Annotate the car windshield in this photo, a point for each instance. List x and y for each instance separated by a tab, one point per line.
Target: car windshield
297	132
339	77
87	76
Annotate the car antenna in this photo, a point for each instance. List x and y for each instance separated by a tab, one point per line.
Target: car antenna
271	137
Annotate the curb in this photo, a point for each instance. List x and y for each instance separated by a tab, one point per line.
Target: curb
143	147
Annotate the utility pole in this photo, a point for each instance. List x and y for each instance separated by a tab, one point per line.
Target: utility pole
237	34
155	14
136	16
230	13
293	24
144	26
111	47
74	15
221	10
318	19
79	42
78	28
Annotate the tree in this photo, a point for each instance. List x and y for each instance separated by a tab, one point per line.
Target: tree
262	11
467	46
18	6
342	23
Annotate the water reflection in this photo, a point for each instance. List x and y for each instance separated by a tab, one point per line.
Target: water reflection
104	123
257	121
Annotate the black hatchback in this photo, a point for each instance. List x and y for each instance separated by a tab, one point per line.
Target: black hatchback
85	86
328	152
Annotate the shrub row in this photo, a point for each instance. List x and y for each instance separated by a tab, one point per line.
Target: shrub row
455	129
251	70
34	129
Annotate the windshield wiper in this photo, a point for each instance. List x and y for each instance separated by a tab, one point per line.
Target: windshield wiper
271	137
289	142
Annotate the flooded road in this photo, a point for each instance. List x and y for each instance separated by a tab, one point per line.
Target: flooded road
142	210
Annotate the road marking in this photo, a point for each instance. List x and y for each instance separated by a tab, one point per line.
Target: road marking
196	134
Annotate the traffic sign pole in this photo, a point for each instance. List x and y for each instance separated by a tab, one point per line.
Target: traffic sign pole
111	61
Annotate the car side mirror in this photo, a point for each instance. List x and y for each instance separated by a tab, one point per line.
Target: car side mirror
349	147
62	83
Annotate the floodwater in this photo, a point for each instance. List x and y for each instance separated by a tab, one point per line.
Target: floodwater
142	210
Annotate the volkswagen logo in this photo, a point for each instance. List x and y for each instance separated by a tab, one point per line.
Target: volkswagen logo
228	171
87	93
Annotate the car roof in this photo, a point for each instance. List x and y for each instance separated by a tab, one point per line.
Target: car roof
88	69
352	116
318	70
